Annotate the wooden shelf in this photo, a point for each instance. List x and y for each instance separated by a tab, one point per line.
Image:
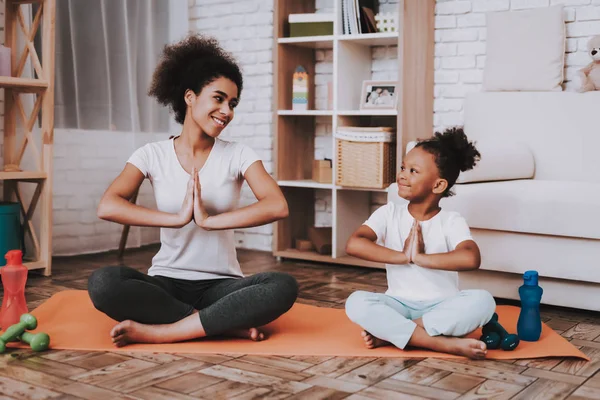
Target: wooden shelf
305	183
26	85
23	1
361	189
372	39
309	183
305	112
391	113
314	256
326	42
22	175
33	39
314	42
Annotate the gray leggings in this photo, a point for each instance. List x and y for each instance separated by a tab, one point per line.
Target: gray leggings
224	304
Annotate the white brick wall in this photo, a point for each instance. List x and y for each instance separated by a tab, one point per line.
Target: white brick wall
460	37
85	163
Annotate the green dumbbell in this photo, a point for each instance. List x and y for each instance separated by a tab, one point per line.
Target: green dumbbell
27	321
38	341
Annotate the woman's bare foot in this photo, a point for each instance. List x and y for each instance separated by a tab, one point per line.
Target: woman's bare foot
129	331
252	334
373	342
467	347
133	332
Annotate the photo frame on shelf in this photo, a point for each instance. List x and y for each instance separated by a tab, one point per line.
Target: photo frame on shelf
379	95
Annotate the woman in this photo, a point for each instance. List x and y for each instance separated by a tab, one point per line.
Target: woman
195	286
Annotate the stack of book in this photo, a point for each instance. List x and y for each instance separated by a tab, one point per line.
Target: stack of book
358	16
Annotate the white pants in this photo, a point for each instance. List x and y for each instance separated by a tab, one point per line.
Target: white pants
391	319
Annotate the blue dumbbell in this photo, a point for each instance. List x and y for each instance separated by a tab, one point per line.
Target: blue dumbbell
494	336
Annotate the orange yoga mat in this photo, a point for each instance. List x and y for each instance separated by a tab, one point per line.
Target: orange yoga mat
74	324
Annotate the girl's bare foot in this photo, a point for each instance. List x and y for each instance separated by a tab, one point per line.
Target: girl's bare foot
467	347
471	348
252	334
373	342
133	332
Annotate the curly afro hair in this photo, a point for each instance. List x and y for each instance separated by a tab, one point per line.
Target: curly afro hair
192	64
453	153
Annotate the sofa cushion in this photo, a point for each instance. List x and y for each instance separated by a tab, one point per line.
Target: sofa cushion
561	129
561	208
493	166
525	50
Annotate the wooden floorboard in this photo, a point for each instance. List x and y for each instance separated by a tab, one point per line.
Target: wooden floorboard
64	374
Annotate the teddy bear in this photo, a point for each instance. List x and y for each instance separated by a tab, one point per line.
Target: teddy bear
590	75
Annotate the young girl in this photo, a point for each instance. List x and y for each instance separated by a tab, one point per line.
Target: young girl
195	287
423	247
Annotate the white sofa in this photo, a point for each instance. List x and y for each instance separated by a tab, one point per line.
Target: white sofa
549	223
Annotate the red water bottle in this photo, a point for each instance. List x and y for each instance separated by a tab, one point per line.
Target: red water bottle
14	277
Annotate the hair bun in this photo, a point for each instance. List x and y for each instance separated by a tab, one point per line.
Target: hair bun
455	144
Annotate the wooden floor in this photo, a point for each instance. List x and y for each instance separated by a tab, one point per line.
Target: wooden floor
96	375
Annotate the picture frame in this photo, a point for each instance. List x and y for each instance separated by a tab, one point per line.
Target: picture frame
379	95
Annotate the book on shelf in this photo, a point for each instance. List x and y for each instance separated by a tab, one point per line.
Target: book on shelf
358	16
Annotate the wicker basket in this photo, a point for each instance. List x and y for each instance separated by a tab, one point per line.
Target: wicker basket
364	162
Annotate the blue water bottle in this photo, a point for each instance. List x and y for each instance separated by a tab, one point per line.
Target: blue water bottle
529	326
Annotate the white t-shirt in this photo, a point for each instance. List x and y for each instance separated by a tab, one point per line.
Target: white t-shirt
191	252
441	234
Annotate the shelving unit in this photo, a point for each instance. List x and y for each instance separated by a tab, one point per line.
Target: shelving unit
314	113
294	130
23	132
